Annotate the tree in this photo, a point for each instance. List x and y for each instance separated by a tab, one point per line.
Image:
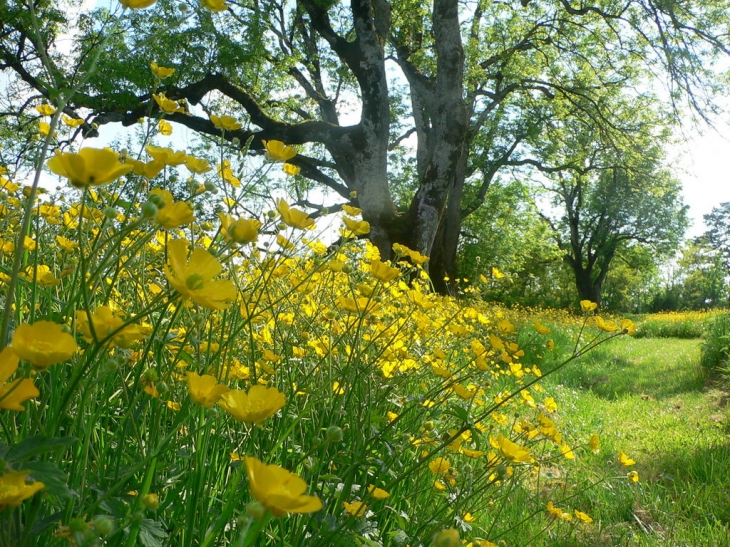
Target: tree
610	202
474	81
718	233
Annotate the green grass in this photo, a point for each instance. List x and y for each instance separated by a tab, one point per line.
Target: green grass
649	398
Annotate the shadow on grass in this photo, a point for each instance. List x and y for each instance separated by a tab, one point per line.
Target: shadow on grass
694	484
614	371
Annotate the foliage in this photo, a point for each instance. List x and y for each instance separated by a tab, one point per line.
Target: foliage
674	324
716	345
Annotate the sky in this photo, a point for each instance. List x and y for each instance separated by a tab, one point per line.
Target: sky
703	166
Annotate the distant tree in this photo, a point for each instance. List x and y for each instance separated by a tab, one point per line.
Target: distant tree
718	232
607	202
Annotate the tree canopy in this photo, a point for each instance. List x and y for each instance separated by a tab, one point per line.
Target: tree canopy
483	87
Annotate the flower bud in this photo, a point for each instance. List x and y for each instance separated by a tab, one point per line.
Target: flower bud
447	538
255	510
149	209
104	525
111	213
334	434
151	500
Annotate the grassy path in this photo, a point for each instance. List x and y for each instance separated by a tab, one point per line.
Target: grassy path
649	398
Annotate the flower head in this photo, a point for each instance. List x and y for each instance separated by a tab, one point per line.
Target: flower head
168	106
105	323
18	391
227	123
294	217
278	151
291	169
204	390
511	451
242	230
214	5
13	488
255	406
624	460
355	508
160	71
383	271
279	490
193	277
166	156
137	4
171	214
43	343
90	167
587	305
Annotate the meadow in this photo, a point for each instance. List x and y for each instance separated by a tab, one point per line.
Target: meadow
182	372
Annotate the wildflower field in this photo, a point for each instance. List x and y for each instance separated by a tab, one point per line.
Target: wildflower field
180	371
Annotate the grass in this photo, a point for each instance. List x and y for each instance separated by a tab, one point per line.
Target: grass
651	399
691	324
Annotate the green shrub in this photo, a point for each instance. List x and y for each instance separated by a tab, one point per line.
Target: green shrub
716	347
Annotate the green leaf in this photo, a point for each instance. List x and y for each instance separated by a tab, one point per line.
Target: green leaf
50	475
151	533
33	446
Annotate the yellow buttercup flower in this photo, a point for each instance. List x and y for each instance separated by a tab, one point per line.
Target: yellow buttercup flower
540	328
105	323
166	156
356	508
204	390
42	275
43	343
214	5
147	170
193	278
45	110
439	466
377	493
624	460
627	325
583	517
137	4
511	451
171	214
606	326
383	271
164	127
357	227
168	106
353	212
278	151
587	305
90	167
242	231
14	490
255	406
279	490
291	169
72	122
160	71
294	217
18	391
633	476
197	166
594	444
228	123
